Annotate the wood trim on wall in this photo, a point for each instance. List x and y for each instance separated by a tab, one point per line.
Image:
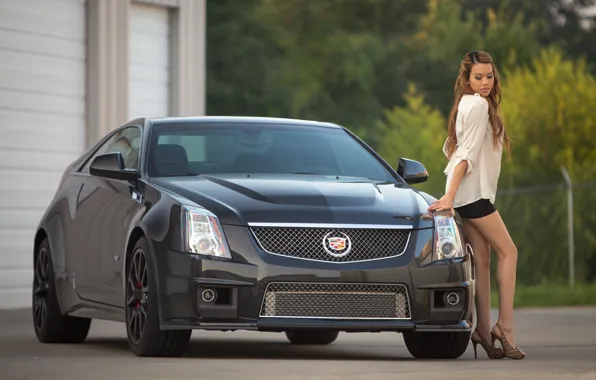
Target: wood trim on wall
107	61
107	66
162	3
188	59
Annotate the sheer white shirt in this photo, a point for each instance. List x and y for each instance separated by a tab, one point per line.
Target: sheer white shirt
475	145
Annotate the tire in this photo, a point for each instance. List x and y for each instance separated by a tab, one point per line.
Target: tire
145	338
312	337
50	325
436	345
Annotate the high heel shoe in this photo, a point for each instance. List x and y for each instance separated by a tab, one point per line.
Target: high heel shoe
492	351
509	351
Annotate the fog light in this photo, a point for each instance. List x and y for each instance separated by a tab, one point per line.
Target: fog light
452	298
208	295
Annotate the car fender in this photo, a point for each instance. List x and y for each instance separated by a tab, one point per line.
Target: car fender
154	224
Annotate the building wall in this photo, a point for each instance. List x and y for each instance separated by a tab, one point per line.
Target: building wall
71	71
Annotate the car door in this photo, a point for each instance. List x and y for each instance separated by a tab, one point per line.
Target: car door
105	209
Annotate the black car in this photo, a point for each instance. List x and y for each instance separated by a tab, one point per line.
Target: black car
242	223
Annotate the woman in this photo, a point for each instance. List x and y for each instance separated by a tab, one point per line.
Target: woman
475	141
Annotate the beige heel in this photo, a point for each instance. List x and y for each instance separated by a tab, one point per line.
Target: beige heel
492	351
509	351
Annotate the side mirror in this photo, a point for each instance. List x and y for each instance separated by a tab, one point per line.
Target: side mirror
411	171
111	165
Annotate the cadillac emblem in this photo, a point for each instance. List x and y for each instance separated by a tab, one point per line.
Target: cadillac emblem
337	244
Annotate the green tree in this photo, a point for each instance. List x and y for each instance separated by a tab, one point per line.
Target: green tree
241	54
549	112
340	58
562	23
416	131
448	31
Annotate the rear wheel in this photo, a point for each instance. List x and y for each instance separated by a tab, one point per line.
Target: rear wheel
436	345
312	337
49	323
145	338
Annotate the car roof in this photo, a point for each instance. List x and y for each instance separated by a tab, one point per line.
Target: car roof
241	119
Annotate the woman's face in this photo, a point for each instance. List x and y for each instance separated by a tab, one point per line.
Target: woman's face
482	79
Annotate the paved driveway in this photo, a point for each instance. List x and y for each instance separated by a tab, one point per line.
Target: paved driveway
560	344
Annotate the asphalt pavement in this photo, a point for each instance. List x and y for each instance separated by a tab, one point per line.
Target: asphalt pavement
559	343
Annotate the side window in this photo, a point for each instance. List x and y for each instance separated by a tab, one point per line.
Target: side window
126	141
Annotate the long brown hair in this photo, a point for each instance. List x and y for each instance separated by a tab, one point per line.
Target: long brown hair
494	100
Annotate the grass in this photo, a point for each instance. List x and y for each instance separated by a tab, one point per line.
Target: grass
551	295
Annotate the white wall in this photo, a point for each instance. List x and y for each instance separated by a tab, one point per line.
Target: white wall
42	108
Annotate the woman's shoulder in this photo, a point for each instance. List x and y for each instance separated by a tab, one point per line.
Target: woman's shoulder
473	103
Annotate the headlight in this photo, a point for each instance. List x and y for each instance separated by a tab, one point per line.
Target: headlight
203	234
447	238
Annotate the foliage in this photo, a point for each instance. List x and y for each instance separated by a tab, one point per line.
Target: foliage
549	112
416	131
386	68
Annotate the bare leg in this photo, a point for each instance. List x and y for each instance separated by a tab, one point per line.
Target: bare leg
482	267
493	230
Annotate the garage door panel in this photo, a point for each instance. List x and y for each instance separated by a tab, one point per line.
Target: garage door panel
28	121
67	142
18	258
36	102
15	278
144	95
61	67
61	19
150	109
149	52
12	40
150	75
19	218
51	85
28	179
49	75
42	108
29	197
36	160
149	19
16	246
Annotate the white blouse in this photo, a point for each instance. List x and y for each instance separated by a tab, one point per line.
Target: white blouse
475	145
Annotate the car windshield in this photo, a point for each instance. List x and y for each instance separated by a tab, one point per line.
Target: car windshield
252	148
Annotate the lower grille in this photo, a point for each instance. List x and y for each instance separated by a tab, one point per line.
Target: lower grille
336	301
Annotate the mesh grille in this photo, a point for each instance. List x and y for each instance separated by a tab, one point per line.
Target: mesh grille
309	243
341	301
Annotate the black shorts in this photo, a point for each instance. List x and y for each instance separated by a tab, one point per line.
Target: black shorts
478	209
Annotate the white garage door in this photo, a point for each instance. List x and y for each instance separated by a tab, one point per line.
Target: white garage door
149	61
42	124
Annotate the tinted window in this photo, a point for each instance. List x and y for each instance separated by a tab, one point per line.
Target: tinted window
126	141
191	149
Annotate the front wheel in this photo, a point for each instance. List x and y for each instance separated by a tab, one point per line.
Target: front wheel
436	345
145	338
312	337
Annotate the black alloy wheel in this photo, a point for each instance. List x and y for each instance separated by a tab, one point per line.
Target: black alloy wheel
50	325
137	291
41	285
145	337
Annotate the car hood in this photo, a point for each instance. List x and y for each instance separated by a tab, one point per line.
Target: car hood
242	199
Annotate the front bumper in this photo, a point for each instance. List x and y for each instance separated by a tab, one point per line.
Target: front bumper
241	286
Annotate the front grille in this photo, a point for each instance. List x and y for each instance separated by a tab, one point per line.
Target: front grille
337	301
312	243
